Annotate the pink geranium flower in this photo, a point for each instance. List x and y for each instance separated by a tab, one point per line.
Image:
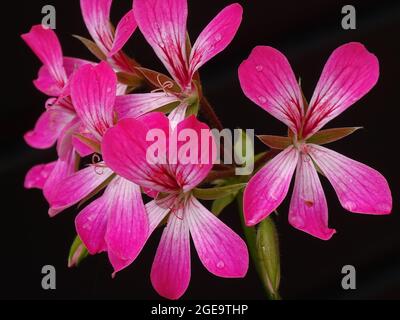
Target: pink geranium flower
96	14
268	80
163	24
59	120
116	222
221	250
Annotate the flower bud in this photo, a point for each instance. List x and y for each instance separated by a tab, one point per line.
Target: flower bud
267	249
77	253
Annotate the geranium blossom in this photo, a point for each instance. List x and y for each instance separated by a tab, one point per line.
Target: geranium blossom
221	251
116	222
268	80
96	14
59	120
163	24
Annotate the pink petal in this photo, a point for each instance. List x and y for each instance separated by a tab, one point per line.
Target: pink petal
47	84
308	209
216	36
158	209
78	186
267	189
118	263
93	91
360	188
64	143
177	115
62	170
68	140
128	226
91	225
38	175
268	80
81	148
351	71
124	149
44	43
150	192
96	14
73	64
126	27
135	105
48	128
163	24
192	171
220	249
170	273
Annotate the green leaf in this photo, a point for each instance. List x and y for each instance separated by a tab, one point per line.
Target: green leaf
158	80
92	47
331	135
275	142
220	204
77	253
218	192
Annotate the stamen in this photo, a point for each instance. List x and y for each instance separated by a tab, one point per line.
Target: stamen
98	167
164	86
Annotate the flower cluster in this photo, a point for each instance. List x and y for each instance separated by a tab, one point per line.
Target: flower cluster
94	111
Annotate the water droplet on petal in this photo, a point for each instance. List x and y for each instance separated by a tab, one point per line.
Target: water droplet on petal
220	265
218	37
259	68
309	203
262	99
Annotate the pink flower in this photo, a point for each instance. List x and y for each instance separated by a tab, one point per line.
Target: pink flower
268	80
59	120
163	24
221	251
96	14
116	222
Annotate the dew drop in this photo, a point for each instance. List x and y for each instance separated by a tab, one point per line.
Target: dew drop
262	99
259	68
220	265
218	37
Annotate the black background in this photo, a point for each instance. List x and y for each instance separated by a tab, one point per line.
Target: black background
306	32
